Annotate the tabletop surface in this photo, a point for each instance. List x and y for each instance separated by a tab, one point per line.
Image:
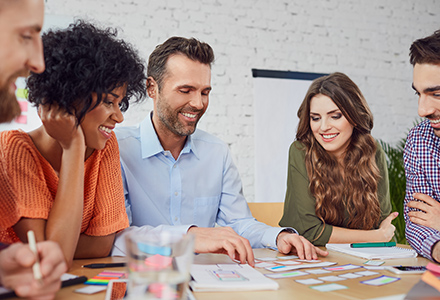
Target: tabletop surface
289	289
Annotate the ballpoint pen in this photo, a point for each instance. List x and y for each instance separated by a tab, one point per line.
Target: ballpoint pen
108	265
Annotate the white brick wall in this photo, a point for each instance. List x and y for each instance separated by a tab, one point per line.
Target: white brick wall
367	40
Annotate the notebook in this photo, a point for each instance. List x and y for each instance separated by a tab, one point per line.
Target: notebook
373	252
229	277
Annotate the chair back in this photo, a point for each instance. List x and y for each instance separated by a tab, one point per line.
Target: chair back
269	213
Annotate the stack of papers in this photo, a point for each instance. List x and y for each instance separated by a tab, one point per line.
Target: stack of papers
229	277
373	252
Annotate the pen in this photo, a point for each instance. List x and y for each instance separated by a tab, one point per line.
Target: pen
109	265
368	245
33	245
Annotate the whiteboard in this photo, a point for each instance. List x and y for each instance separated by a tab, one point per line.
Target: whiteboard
277	97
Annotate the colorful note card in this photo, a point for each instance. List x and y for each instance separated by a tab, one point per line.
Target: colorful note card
332	278
382	280
350	275
286	275
309	281
308	260
317	271
287	257
343	268
280	268
329	287
374	262
266	258
366	273
263	264
287	262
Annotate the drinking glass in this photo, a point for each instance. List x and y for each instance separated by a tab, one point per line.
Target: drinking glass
159	265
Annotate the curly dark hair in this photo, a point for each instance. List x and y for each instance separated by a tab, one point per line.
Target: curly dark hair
82	60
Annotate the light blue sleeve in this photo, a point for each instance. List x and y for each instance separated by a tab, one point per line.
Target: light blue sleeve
234	211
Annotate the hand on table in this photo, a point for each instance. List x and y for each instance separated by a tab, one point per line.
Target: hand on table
429	215
16	270
293	243
223	240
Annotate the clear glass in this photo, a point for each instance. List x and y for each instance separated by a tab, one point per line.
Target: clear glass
159	265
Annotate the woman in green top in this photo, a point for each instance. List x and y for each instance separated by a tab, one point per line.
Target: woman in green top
337	186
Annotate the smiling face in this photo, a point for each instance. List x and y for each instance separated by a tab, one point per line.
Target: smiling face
183	97
21	48
329	126
426	83
99	123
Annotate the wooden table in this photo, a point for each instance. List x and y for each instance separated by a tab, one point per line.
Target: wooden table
289	289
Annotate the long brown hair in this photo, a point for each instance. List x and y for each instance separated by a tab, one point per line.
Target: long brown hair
356	189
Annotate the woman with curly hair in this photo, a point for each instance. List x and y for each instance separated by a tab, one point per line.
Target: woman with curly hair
63	180
337	186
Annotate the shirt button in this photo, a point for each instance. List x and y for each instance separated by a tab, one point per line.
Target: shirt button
176	193
174	166
176	218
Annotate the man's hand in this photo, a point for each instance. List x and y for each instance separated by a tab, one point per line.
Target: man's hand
223	240
429	215
16	270
299	245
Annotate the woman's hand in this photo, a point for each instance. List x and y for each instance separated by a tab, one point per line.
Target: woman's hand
61	126
386	229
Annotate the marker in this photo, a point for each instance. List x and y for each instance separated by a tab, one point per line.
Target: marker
368	245
33	245
110	265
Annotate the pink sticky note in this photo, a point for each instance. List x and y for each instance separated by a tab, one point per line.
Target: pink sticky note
23	105
158	261
21	119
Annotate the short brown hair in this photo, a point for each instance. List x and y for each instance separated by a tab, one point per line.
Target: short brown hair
426	50
192	48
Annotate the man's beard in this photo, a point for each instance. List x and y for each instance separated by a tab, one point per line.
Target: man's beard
9	107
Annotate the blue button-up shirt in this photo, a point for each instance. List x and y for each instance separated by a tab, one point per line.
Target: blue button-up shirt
422	169
202	187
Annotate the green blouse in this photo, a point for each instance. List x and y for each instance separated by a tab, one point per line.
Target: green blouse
299	206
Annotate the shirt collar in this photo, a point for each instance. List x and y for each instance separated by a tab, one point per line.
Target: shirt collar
150	141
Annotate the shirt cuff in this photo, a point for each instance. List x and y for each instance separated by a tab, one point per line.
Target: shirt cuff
269	239
428	244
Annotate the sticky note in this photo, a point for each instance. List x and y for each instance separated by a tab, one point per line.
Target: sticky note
366	273
350	275
287	262
286	275
343	268
329	287
21	93
21	119
374	262
263	264
317	271
380	280
332	278
309	281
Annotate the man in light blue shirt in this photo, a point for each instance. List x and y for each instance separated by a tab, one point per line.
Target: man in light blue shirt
182	179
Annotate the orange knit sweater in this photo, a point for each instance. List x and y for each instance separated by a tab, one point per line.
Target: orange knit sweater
28	185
